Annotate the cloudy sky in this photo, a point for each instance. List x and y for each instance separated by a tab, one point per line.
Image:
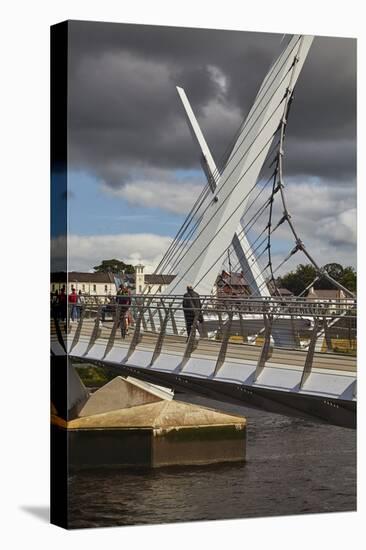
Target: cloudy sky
133	168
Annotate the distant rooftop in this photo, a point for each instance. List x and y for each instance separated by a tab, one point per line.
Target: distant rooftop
285	292
158	279
333	294
81	277
231	279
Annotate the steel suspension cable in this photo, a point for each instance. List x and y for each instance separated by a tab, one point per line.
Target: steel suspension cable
218	257
192	213
287	217
241	232
241	177
242	156
246	121
234	153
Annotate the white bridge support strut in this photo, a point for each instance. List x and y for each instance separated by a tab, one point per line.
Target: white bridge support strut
241	245
202	261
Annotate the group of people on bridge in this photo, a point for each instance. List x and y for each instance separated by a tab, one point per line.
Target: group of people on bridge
59	300
192	307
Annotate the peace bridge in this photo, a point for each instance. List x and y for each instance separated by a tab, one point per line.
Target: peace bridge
288	356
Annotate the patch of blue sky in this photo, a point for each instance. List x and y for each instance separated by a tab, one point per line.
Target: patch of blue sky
282	246
192	174
92	211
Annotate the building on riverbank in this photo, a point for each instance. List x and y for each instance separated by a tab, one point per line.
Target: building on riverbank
91	284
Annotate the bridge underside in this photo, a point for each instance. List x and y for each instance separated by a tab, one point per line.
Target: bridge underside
316	408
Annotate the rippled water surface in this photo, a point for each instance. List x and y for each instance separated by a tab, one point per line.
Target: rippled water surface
293	466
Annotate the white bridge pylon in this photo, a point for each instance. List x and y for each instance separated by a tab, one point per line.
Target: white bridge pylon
241	245
220	221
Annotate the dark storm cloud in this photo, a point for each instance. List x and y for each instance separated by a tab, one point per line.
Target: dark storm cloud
125	114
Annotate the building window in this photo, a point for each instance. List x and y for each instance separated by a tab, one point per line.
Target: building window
140	289
94	288
106	288
83	288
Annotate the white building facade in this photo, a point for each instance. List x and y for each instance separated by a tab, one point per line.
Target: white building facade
90	284
147	283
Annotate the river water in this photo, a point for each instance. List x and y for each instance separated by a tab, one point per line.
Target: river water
293	466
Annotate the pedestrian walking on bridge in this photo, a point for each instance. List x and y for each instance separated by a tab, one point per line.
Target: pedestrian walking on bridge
192	306
123	299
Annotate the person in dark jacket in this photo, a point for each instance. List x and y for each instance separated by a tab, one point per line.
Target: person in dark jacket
191	305
55	305
62	304
123	299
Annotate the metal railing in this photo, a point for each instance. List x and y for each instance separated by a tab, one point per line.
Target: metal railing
246	304
274	327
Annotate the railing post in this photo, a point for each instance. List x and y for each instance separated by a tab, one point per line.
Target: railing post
160	339
114	329
79	327
190	342
327	338
68	318
136	338
172	318
151	319
144	324
266	348
160	315
224	344
60	338
294	332
95	332
244	338
310	354
220	329
141	302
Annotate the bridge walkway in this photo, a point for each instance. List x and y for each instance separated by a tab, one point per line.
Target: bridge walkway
301	375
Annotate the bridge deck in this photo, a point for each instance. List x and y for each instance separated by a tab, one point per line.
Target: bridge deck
94	345
278	359
176	344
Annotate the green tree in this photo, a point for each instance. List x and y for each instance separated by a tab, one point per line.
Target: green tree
113	266
346	276
349	278
334	270
296	281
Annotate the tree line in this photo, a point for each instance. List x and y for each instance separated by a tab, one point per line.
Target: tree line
296	281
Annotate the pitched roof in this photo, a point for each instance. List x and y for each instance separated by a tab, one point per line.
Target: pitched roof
285	292
158	279
232	279
80	277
